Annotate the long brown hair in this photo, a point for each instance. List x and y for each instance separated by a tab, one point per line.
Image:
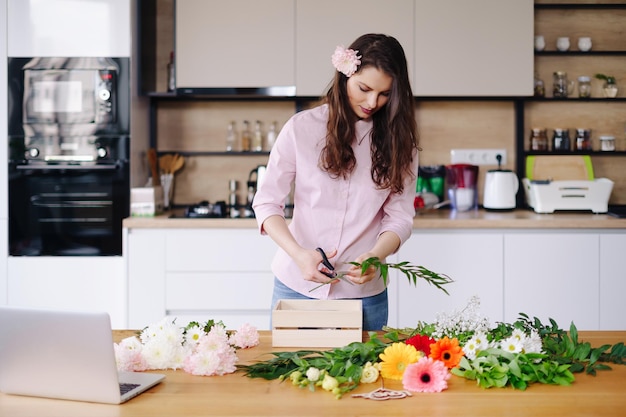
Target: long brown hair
394	134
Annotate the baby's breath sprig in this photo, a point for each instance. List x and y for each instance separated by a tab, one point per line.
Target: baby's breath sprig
412	272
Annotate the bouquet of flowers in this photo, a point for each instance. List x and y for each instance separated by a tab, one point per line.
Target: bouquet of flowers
197	349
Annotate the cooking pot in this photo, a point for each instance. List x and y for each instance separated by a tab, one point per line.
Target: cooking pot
501	187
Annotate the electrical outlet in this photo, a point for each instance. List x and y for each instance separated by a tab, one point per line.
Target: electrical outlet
477	156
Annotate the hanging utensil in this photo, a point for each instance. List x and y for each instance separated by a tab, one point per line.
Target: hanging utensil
177	163
165	163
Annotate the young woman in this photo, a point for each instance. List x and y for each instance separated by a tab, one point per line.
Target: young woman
353	164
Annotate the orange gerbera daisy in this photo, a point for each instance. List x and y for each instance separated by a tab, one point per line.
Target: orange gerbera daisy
447	351
396	358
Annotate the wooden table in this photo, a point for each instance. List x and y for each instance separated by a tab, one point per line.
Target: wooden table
182	394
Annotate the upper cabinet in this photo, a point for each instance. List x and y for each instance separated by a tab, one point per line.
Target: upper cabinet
321	25
453	47
235	43
473	48
64	28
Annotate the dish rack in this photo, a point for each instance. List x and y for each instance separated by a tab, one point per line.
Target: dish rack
548	196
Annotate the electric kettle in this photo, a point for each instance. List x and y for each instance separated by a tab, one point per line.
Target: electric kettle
501	187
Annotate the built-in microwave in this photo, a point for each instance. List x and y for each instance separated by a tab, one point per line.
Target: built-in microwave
55	96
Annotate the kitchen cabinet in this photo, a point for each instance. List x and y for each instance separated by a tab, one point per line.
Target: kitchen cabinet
58	28
200	274
239	43
553	275
69	283
473	48
612	281
321	25
474	260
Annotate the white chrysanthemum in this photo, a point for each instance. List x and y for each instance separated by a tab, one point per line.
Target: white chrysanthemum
519	334
476	343
192	337
533	344
512	345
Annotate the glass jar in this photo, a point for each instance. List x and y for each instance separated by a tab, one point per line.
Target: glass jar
561	86
584	86
540	89
561	140
607	143
583	139
538	139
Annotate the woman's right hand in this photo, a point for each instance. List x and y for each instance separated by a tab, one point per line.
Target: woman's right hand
309	260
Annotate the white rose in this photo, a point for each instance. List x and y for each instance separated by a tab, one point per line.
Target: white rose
369	374
313	374
329	383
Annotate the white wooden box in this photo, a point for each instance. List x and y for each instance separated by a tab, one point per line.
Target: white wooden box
316	323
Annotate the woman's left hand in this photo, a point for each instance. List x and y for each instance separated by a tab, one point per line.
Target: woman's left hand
354	273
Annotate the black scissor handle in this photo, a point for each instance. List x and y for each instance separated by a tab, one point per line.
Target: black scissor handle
326	263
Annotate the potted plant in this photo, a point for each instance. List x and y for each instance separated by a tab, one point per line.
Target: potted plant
610	86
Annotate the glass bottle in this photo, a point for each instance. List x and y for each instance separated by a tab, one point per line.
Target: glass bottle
271	136
583	139
245	137
231	137
561	140
584	86
171	74
257	138
538	139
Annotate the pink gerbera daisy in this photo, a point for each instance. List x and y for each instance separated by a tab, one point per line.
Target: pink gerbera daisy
426	375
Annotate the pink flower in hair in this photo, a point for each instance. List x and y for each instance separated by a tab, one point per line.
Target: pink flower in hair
346	61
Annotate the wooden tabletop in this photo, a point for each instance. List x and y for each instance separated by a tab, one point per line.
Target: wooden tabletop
186	395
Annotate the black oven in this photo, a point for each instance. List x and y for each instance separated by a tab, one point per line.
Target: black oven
69	176
69	209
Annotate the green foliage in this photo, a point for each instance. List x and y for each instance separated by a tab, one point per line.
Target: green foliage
345	363
412	272
608	78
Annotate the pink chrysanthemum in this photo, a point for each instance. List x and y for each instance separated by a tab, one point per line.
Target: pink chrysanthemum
426	375
346	61
245	337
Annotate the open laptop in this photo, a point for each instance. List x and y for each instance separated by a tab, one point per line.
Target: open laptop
65	355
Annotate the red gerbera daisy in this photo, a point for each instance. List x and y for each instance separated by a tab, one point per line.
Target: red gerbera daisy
421	342
447	351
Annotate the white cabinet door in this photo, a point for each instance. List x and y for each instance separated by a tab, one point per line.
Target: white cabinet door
69	28
321	25
200	274
473	48
235	43
553	275
70	283
145	254
612	281
472	259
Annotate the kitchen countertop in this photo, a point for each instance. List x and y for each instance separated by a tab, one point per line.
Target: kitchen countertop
435	219
182	394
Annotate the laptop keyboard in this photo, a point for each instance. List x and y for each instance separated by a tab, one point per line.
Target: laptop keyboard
124	388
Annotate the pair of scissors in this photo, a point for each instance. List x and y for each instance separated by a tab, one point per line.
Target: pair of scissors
331	273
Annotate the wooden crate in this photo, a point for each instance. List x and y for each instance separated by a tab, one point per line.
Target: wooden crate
316	323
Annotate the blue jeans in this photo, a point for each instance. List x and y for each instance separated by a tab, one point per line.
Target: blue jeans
375	308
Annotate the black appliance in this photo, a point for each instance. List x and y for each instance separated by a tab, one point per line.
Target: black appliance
69	176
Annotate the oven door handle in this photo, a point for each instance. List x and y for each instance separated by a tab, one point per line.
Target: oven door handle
51	167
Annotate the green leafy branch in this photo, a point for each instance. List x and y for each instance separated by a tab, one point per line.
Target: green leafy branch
344	363
412	272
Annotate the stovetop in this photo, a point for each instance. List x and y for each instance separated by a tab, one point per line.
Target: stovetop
205	210
617	211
